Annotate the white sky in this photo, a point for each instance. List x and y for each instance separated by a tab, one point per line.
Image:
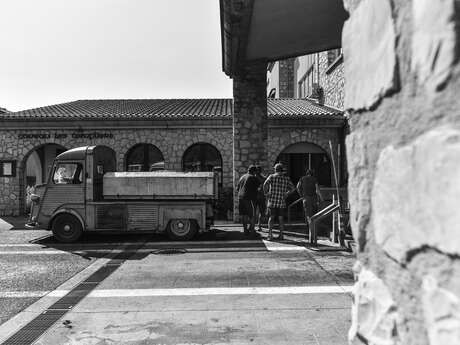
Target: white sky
54	51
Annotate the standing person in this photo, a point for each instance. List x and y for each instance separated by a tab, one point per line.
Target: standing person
277	187
309	191
247	197
261	203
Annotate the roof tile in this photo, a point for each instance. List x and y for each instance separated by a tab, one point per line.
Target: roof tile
151	109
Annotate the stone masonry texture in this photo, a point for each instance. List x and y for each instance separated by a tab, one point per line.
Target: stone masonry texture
250	123
172	142
332	81
403	162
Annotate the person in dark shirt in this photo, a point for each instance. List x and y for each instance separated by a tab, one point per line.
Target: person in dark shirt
248	186
309	191
261	203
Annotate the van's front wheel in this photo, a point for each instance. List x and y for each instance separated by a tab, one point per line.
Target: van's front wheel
181	229
67	228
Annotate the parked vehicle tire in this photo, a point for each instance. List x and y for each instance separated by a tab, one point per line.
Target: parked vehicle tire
67	228
181	229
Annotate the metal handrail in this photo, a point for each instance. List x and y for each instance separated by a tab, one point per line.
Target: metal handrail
289	208
317	217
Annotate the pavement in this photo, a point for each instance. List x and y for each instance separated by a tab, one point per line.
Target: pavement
144	289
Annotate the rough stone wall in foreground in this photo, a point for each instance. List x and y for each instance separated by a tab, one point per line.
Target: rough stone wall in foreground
402	82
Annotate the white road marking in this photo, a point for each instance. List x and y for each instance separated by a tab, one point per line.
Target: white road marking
149	250
22	294
4	225
282	290
20	320
8	245
168	243
120	293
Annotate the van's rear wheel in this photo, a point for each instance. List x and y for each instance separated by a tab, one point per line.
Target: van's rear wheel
181	229
67	228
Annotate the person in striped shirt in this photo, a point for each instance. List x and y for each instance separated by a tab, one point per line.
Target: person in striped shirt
277	187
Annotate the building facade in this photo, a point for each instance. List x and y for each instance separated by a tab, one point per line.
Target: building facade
189	135
317	76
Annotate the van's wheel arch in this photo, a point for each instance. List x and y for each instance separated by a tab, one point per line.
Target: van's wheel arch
182	229
66	228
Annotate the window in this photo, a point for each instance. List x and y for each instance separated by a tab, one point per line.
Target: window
68	173
306	84
7	168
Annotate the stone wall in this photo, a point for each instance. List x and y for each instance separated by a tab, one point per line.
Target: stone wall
402	90
172	142
332	80
250	122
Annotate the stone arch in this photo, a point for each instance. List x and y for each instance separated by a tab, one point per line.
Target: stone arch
45	158
280	139
204	154
304	154
143	154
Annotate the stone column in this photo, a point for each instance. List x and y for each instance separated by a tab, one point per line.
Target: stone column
402	82
250	125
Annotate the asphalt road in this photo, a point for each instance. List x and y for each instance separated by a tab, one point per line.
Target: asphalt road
222	290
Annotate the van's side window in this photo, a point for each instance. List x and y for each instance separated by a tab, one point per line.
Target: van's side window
68	173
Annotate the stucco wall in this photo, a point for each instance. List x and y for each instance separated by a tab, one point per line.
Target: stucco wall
402	89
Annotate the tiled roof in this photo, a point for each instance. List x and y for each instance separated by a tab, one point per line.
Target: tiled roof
169	109
3	110
299	108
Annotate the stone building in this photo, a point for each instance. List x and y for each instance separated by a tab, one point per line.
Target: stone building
318	76
402	78
181	134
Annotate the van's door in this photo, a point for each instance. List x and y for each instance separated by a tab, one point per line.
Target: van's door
65	188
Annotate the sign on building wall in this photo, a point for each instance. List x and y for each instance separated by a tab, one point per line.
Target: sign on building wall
7	168
73	135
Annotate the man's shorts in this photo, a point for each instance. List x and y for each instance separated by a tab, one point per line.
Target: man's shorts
246	207
276	212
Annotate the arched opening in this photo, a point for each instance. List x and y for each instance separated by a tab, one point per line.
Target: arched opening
301	156
144	157
37	165
205	157
201	157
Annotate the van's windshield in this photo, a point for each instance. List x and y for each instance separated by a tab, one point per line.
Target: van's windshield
68	173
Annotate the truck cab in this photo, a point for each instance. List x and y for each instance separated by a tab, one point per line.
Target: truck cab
85	193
